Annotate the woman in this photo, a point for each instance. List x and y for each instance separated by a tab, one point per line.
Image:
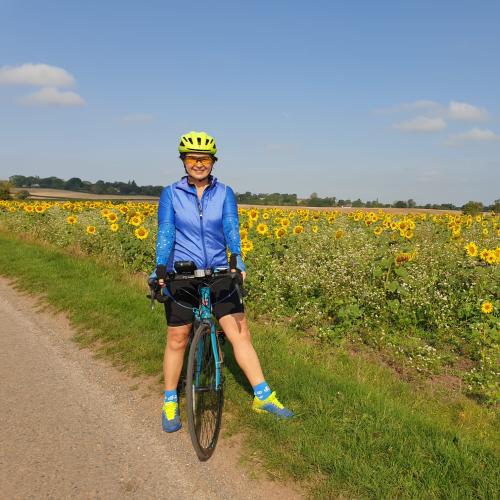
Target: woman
197	221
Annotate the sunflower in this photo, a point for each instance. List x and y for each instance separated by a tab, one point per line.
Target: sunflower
265	215
112	217
262	229
39	209
298	229
491	257
402	257
279	232
28	208
472	249
91	230
123	209
487	307
408	234
314	229
141	233
71	219
114	227
247	246
485	232
377	231
243	234
484	254
285	222
105	212
135	220
338	234
253	214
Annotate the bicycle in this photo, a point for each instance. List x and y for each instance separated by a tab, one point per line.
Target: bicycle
202	377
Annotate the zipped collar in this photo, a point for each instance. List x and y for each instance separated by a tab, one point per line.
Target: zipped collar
189	188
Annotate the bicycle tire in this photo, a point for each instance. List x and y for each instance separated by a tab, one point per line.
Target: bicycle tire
203	401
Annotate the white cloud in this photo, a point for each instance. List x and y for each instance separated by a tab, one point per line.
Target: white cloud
473	135
36	74
50	96
421	124
137	118
464	111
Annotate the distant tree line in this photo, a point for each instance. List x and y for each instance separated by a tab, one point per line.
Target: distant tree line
248	198
76	184
267	199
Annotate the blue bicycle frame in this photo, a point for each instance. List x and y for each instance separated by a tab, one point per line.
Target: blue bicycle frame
203	314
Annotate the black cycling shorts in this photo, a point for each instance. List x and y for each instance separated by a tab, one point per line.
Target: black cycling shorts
180	312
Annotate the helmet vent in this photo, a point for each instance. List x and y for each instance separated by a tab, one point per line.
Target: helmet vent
190	140
199	141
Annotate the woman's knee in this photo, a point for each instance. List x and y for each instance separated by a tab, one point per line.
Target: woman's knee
236	328
177	337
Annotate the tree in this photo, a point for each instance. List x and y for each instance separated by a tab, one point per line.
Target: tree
472	208
18	180
411	203
23	194
99	187
5	190
400	204
74	184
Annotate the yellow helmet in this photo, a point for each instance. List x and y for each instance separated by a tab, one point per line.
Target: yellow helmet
197	142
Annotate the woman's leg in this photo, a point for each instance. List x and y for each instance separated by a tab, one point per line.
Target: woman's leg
177	340
236	329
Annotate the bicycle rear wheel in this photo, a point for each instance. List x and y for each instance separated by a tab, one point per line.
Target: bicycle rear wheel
203	399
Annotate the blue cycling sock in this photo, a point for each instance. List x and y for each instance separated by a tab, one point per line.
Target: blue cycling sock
170	396
262	390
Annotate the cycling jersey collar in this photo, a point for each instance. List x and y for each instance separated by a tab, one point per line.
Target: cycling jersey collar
189	188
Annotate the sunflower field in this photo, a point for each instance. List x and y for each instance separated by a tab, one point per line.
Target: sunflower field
421	288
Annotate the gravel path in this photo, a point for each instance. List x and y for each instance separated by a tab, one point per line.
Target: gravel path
72	426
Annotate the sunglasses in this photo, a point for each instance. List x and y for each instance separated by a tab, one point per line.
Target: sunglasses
190	161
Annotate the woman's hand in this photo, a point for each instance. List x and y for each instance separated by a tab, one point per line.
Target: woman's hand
161	282
243	273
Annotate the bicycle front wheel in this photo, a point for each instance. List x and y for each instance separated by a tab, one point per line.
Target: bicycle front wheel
203	398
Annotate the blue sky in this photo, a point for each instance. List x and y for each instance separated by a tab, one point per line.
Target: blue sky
389	100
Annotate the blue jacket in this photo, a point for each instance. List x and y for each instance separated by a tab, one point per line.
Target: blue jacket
196	229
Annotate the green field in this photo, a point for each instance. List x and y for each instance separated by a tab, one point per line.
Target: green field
360	431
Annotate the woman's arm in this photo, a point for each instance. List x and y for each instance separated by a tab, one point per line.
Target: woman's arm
231	227
166	228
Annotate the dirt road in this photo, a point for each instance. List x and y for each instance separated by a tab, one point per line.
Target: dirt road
72	426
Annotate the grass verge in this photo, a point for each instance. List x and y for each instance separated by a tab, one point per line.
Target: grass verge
360	431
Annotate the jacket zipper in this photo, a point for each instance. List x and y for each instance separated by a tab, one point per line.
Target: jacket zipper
200	210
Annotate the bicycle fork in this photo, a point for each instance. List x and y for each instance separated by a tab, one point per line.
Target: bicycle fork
218	359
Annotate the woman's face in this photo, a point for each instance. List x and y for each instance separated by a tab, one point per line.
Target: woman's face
198	165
